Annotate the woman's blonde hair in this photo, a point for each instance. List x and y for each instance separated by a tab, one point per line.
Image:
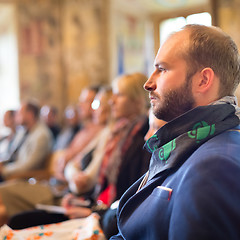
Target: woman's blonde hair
132	86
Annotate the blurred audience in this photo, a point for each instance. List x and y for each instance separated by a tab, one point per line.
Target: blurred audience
35	148
123	159
25	195
119	161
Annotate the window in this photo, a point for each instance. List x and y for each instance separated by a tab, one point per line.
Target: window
9	82
174	24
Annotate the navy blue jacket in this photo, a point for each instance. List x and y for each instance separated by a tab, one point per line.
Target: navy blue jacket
198	200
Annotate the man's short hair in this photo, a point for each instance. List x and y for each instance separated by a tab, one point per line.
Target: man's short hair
94	88
211	47
33	107
11	113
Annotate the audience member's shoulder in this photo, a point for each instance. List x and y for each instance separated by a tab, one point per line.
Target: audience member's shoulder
43	129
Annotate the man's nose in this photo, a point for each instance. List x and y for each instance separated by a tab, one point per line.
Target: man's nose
150	84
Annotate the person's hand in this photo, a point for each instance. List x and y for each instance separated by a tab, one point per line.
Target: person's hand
74	211
77	212
66	200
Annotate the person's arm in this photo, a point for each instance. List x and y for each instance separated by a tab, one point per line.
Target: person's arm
86	179
206	202
32	153
78	212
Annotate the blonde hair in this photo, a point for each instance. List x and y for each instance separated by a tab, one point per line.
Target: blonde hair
132	86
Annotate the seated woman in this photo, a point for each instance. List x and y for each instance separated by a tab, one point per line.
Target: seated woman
124	159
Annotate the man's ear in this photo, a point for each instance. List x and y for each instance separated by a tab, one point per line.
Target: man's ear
205	80
205	86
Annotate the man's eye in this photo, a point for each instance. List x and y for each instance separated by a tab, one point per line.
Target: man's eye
161	69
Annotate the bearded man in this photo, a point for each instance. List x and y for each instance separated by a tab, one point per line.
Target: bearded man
192	189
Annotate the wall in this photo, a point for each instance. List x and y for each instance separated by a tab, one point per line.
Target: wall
85	44
63	48
130	38
40	50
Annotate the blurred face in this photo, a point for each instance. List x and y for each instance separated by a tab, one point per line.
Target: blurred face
48	116
170	90
45	114
22	115
101	108
122	105
71	116
8	119
85	100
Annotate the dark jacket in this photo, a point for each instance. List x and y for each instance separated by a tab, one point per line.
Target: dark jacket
135	162
198	200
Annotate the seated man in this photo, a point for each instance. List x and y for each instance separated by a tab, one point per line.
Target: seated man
36	146
191	190
49	115
10	143
70	129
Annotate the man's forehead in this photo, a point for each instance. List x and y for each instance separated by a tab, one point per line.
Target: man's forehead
174	46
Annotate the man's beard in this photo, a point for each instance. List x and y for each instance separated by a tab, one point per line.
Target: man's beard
175	102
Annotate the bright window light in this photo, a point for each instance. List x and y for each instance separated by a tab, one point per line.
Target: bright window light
170	25
9	86
200	18
175	24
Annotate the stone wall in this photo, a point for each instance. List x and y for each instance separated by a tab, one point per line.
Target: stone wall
40	50
85	45
63	48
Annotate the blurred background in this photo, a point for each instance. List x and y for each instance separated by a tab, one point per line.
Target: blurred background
51	49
